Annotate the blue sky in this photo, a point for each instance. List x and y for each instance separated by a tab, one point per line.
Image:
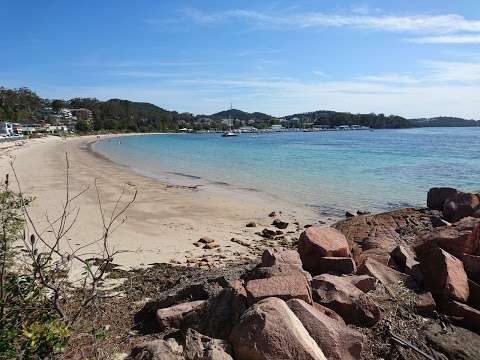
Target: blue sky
412	58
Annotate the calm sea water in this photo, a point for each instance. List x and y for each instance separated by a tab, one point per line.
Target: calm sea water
332	171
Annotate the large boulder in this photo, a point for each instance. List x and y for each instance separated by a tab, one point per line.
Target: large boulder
463	237
437	196
269	330
279	269
474	294
172	317
403	259
461	205
320	241
335	265
284	287
201	347
471	263
465	315
444	275
341	296
271	257
375	236
337	341
382	273
455	342
363	282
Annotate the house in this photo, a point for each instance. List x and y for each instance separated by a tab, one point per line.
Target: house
228	122
277	128
6	129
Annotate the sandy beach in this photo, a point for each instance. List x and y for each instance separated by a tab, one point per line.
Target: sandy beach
163	223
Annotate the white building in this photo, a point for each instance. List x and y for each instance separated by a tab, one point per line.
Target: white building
6	129
228	122
277	127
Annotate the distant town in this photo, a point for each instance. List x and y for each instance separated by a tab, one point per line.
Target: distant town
24	113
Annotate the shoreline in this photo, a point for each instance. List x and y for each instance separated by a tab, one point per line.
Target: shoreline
166	220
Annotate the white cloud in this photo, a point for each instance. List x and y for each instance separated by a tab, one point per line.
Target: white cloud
391	78
447	39
320	73
448	23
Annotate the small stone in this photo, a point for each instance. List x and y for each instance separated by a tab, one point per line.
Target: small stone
350	213
272	214
251	224
206	240
280	224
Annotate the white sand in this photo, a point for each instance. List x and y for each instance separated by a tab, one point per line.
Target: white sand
164	221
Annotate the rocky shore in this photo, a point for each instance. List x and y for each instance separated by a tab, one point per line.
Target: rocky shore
397	285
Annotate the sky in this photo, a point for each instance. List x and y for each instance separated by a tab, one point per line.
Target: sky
410	58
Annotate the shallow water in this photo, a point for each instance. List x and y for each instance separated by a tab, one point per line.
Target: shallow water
332	171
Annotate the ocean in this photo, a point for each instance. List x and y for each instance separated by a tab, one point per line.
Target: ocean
329	171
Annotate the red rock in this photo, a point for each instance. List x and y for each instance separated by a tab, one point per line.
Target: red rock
382	273
279	269
330	313
375	236
363	282
463	237
474	296
271	257
425	304
172	317
403	259
269	330
339	295
335	265
471	263
337	341
320	241
201	347
284	287
460	206
468	316
444	275
438	195
157	350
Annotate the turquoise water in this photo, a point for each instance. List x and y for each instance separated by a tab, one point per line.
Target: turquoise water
331	171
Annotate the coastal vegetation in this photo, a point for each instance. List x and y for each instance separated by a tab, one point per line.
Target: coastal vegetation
25	106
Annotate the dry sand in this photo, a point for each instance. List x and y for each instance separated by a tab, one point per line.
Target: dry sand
164	221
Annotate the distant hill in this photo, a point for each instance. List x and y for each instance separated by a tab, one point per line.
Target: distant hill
445	121
333	118
241	115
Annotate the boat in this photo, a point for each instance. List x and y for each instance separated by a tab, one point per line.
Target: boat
229	133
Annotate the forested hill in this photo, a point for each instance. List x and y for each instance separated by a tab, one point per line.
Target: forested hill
333	118
445	121
240	115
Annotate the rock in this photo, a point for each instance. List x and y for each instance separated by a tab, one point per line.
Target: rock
463	237
471	263
363	282
453	341
219	313
321	241
467	316
172	317
337	341
279	224
251	224
443	275
157	350
375	236
210	246
382	273
201	347
460	206
437	196
269	330
350	213
284	287
339	295
425	304
335	265
474	294
403	259
272	214
271	257
269	234
280	269
206	240
330	313
362	212
437	221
